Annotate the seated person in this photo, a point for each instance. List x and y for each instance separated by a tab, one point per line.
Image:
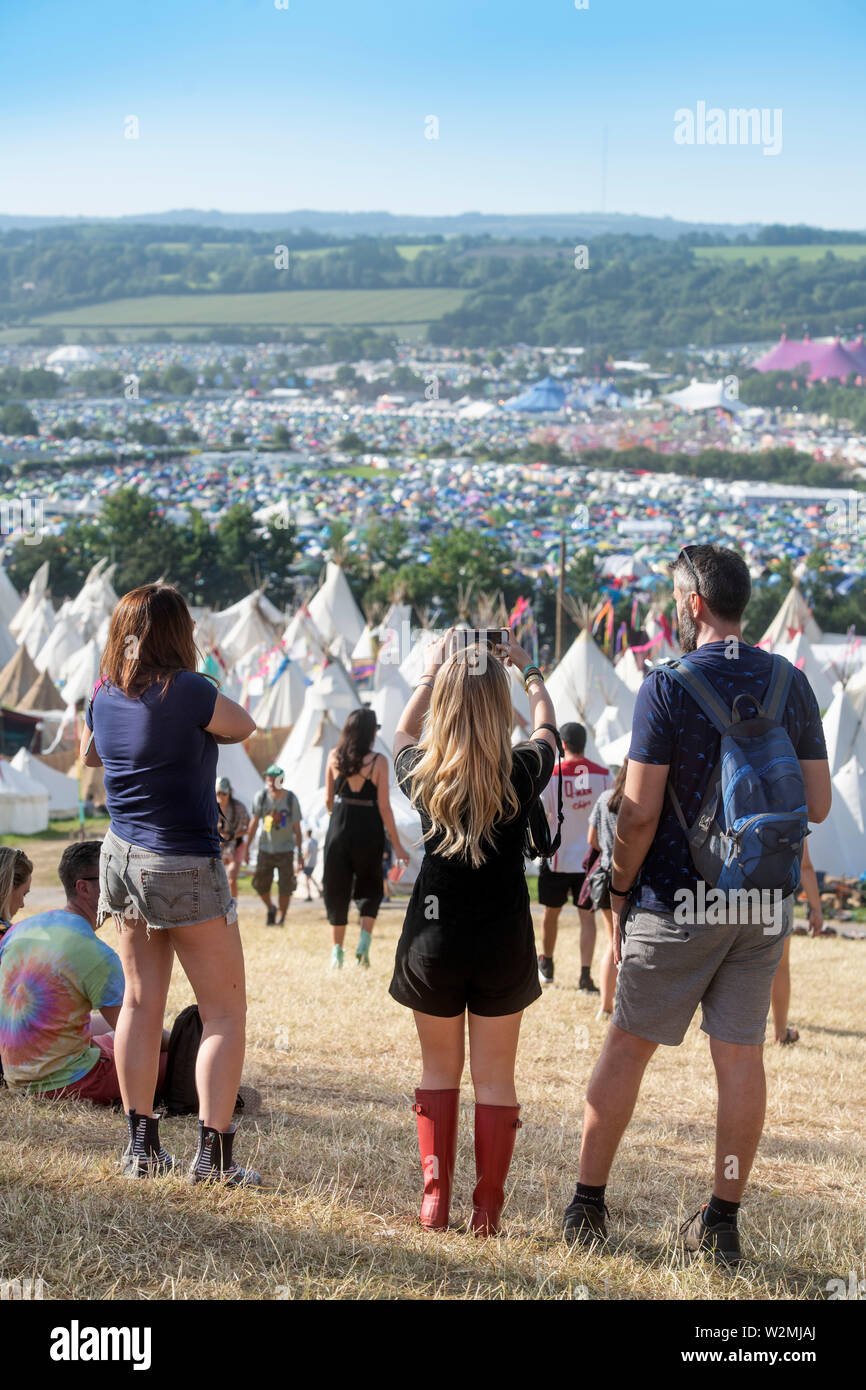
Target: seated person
15	875
53	971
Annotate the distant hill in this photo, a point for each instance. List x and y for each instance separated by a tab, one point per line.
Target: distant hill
351	224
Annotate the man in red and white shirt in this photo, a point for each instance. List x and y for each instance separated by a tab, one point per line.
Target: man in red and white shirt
582	785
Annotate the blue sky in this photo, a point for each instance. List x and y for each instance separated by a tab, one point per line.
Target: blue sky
246	107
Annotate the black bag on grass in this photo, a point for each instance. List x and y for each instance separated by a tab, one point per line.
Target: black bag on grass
179	1095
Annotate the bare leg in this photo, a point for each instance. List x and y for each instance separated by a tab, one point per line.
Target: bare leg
367	924
443	1051
549	929
147	963
213	959
740	1116
608	967
780	996
610	1101
492	1057
587	936
338	933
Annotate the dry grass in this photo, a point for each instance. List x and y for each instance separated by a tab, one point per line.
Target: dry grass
337	1061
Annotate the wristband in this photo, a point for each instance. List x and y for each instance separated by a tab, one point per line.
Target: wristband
616	893
429	685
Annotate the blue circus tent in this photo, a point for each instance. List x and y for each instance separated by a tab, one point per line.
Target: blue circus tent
543	395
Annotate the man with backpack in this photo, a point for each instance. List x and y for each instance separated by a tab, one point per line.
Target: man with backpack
727	765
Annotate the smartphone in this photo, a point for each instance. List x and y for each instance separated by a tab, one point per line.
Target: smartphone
498	636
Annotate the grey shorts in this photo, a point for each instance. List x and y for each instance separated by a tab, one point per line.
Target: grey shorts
667	970
165	890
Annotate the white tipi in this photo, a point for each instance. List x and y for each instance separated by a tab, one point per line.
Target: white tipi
794	616
585	683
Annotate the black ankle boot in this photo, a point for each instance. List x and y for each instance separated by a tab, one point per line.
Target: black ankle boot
144	1156
213	1160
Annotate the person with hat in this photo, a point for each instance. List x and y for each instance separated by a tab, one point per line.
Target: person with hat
232	830
280	815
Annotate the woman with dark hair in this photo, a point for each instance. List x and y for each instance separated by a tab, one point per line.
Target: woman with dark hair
466	956
602	833
155	727
359	804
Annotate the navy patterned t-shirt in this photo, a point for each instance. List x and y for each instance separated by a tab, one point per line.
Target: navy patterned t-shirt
669	727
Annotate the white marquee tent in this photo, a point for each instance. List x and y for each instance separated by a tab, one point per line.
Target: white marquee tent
62	790
24	803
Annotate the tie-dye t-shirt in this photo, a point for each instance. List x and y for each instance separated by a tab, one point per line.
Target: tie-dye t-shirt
53	971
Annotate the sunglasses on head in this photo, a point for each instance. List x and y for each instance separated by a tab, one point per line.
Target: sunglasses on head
686	558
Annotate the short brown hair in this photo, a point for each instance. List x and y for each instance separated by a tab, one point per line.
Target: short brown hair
150	639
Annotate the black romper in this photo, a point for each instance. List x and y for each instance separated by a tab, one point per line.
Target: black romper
468	939
354	845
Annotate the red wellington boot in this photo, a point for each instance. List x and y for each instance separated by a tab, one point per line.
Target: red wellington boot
496	1129
436	1113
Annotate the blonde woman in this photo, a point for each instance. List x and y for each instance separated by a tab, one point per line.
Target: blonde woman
467	944
15	875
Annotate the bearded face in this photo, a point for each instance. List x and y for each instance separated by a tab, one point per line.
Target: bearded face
688	630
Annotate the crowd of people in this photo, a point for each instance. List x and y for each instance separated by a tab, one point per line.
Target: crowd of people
78	1019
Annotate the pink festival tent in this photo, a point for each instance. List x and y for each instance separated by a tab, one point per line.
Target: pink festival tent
826	361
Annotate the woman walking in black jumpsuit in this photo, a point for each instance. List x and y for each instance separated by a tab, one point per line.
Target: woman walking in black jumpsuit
360	815
467	942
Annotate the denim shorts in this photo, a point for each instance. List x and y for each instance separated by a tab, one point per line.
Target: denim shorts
164	890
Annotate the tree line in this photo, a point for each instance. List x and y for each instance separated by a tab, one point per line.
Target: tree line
635	292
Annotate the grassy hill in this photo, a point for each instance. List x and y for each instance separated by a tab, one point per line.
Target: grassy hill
774	254
377	308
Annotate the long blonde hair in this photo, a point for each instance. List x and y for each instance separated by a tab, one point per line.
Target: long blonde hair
15	869
463	777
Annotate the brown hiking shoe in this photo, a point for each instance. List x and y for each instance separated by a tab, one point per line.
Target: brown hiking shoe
722	1240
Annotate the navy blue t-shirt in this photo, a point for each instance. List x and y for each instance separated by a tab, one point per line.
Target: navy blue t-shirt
669	727
160	765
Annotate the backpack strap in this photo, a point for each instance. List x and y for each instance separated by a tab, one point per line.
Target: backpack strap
557	839
779	688
701	692
709	703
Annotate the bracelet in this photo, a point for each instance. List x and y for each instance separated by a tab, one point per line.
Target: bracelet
429	685
615	892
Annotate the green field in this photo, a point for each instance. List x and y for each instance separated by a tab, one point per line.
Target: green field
751	254
379	308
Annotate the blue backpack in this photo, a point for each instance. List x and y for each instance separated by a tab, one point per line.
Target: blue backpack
753	820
